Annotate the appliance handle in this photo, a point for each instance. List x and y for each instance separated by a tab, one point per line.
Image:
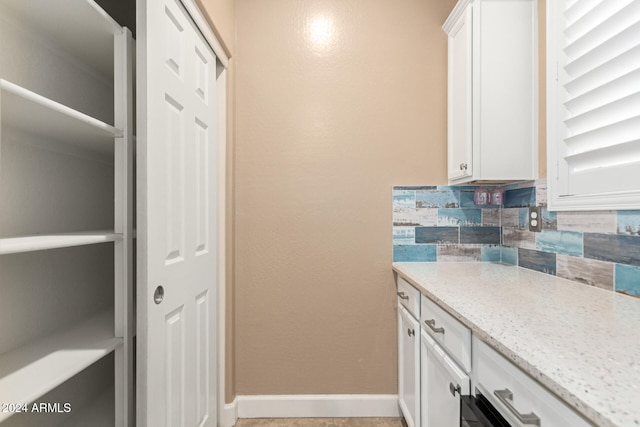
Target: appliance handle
506	397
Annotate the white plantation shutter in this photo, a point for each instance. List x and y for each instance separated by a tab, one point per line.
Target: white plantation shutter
594	101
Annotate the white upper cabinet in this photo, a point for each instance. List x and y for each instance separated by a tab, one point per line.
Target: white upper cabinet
492	91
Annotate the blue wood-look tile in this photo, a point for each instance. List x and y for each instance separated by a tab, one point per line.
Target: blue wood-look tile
536	260
489	235
520	197
437	199
414	187
436	234
627	279
561	242
491	253
514	217
491	216
458	253
612	247
448	216
549	220
404	235
404	199
523	217
414	253
466	199
629	222
509	255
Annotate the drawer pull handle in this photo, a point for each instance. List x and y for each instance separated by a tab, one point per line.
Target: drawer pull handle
432	325
401	295
411	332
506	397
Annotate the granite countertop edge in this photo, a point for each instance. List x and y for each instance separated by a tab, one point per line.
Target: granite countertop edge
568	396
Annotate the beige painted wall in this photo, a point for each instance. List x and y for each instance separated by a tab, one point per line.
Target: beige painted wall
542	89
354	107
337	100
222	17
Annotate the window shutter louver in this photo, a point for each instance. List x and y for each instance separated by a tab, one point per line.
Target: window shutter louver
599	78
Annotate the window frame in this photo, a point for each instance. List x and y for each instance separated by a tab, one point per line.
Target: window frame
557	173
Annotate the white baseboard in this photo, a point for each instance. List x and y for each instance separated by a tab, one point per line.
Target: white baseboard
318	406
228	414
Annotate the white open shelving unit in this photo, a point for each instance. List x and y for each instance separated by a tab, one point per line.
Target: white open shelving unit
31	113
14	245
54	359
34	107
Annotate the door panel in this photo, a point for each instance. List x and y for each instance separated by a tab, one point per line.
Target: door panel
176	223
202	188
440	407
460	147
175	368
409	367
174	42
175	180
202	352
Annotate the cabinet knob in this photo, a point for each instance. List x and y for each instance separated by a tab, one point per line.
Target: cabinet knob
463	166
411	332
401	295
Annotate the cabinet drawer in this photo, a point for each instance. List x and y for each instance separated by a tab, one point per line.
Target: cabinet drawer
447	331
513	392
409	297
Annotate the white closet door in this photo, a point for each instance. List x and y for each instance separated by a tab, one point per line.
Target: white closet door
176	219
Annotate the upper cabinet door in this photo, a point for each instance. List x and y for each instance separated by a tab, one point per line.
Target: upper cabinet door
177	259
493	88
459	98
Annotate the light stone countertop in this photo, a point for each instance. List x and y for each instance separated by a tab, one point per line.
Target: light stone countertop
581	342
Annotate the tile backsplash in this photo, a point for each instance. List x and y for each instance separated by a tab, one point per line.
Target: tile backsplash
441	223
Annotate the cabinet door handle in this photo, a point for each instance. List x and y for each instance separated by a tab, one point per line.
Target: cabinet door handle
506	397
463	166
432	325
454	388
401	295
411	332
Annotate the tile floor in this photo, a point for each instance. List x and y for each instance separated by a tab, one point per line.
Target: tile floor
320	422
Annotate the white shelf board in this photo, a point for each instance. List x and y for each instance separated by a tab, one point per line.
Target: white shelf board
80	27
29	112
14	245
31	371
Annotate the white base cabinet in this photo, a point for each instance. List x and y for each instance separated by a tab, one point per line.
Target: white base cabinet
519	399
409	367
443	382
440	360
